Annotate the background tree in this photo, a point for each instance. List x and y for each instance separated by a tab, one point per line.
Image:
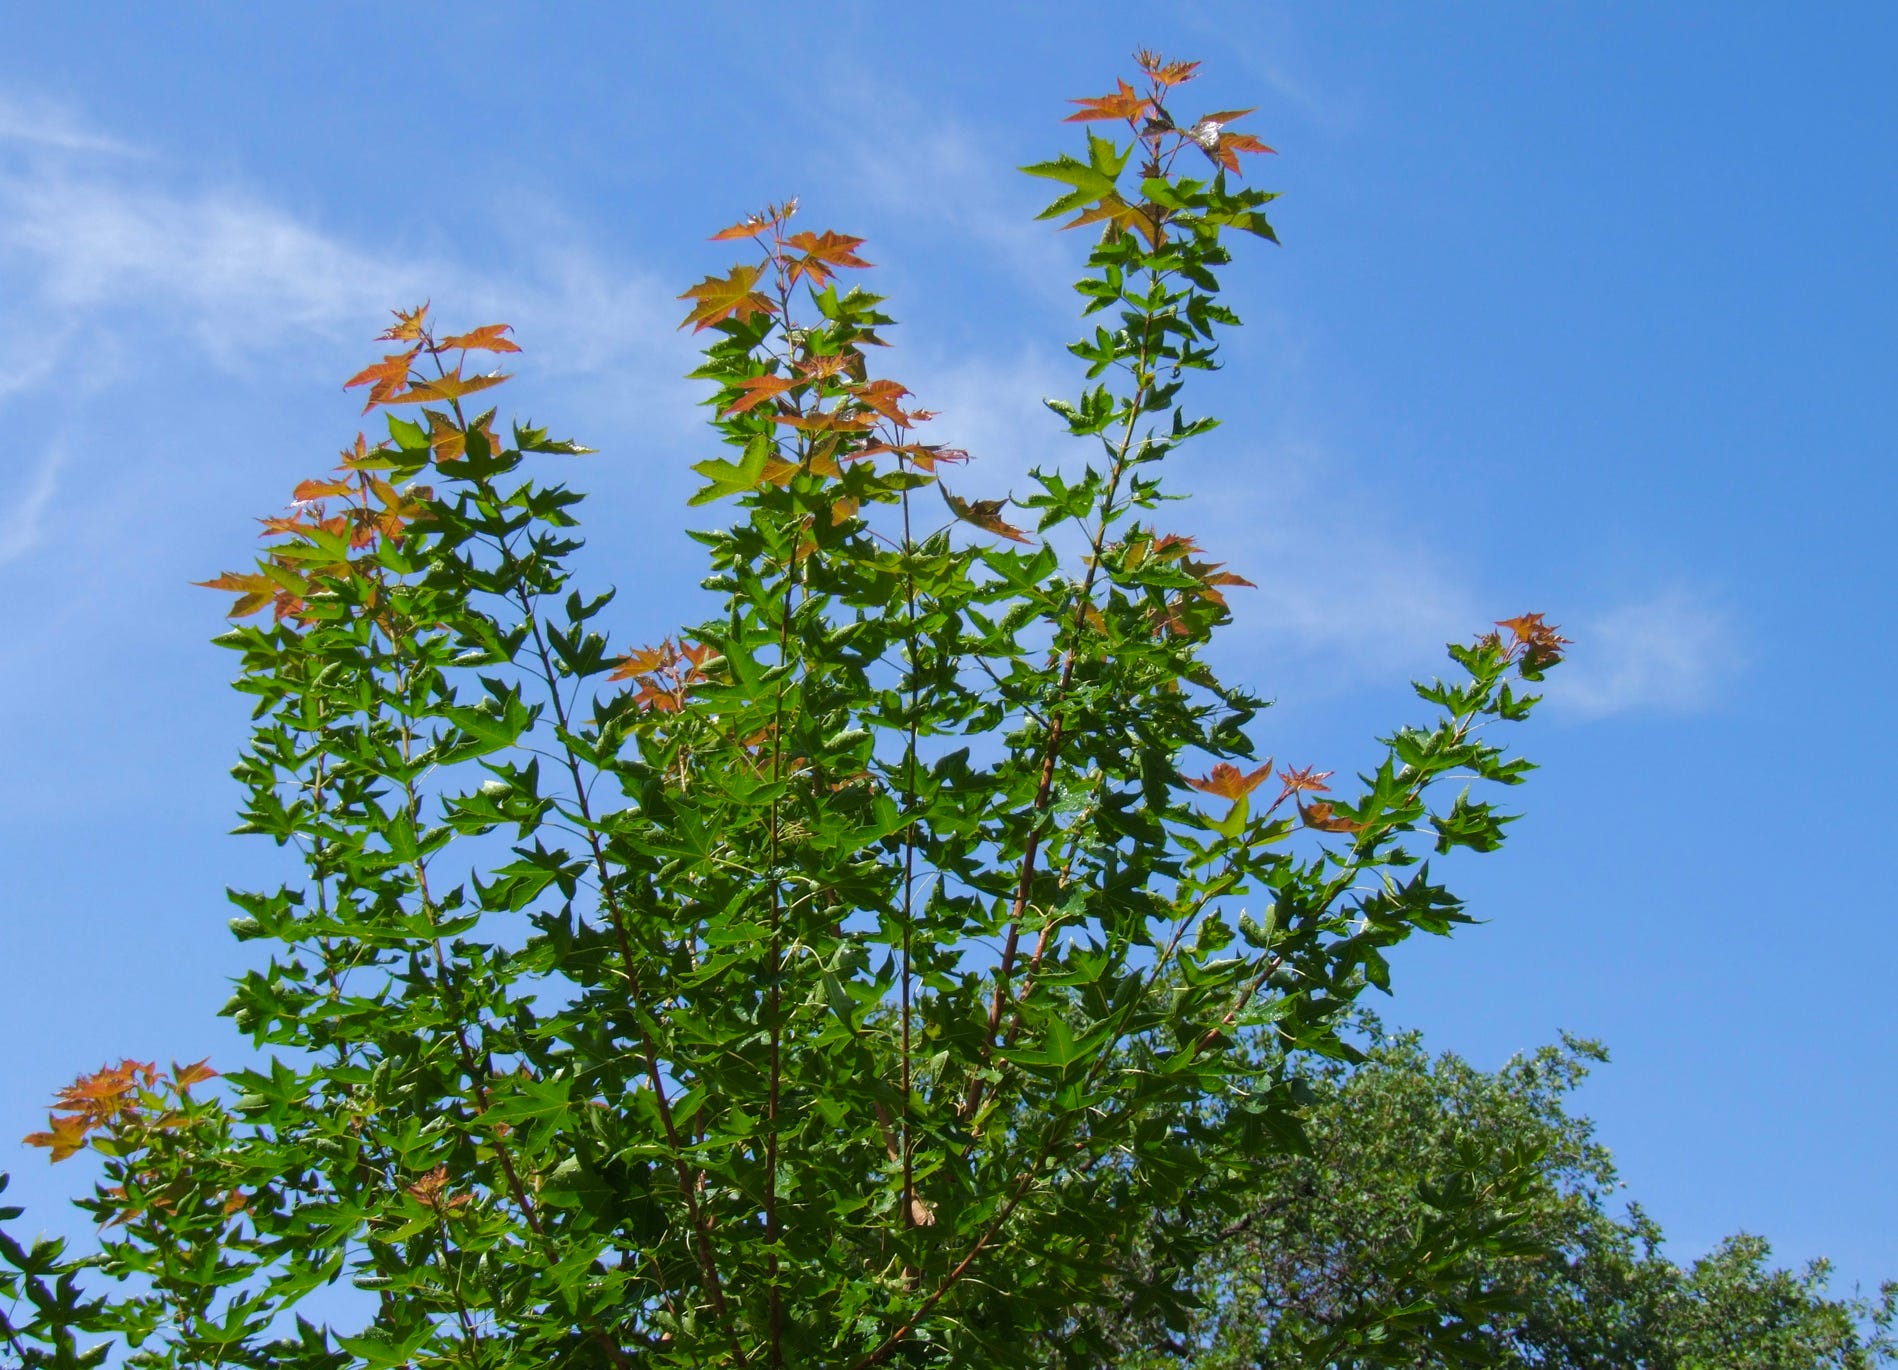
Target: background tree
835	982
1446	1216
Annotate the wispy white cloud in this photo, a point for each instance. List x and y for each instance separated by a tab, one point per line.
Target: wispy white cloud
936	171
22	516
1669	653
992	408
122	250
1346	592
47	126
113	270
234	272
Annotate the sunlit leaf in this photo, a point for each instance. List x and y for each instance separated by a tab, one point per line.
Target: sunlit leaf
985	514
757	389
717	298
1227	781
487	338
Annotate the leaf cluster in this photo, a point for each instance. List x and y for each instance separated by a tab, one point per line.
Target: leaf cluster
1447	1217
839	980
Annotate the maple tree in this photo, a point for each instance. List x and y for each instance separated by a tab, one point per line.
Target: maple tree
838	981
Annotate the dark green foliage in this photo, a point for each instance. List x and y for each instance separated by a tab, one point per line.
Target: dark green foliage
1448	1217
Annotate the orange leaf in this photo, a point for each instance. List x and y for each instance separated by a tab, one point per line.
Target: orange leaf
923	456
449	440
823	368
1112	209
68	1136
318	489
1163	72
388	376
408	325
1230	144
882	396
823	254
750	228
1542	642
1229	782
639	663
486	338
253	591
926	455
1125	103
1307	780
429	1188
362	454
1320	815
985	514
722	297
1221	146
827	421
757	390
1530	630
183	1077
450	387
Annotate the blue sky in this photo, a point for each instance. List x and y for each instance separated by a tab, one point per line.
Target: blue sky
1585	309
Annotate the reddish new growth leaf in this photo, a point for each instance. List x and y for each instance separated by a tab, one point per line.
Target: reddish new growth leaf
1321	816
105	1099
823	253
254	591
449	439
310	490
750	228
410	325
67	1136
432	1190
985	514
1306	781
386	379
1227	781
827	421
1175	615
829	366
361	456
1122	217
1539	642
1162	72
667	674
1221	145
756	225
717	298
881	397
390	515
486	338
449	387
923	456
183	1077
1125	103
756	391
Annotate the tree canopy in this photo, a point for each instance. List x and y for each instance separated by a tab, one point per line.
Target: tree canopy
891	968
1446	1216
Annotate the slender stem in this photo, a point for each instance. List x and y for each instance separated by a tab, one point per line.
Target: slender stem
905	1139
472	1064
689	1180
774	991
1051	749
